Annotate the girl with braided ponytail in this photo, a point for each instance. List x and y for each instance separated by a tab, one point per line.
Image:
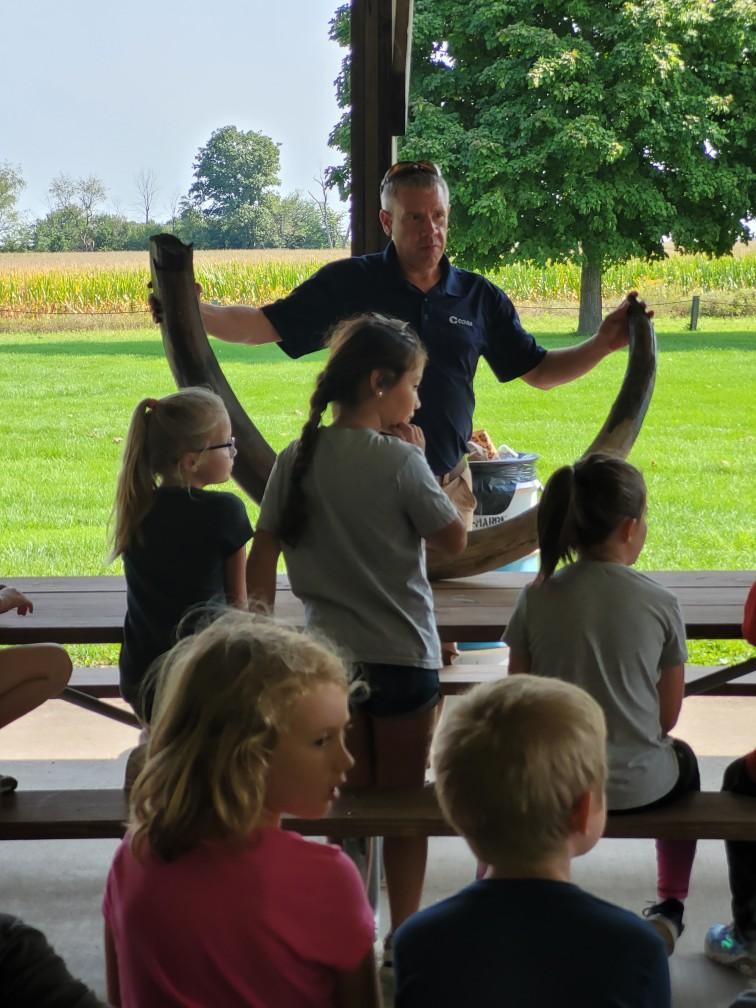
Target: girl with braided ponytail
182	545
601	625
351	504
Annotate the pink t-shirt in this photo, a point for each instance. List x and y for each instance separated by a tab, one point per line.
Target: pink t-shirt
268	925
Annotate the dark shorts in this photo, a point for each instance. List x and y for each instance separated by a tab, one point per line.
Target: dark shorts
688	779
396	690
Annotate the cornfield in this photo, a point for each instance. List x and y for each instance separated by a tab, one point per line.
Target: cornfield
102	283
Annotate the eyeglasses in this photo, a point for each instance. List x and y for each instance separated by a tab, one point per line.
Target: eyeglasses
230	445
403	168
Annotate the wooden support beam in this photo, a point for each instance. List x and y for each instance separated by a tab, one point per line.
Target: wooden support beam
381	43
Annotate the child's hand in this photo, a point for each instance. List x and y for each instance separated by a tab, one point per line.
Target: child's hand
408	432
12	599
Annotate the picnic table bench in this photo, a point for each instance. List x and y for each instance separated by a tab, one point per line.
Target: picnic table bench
406	812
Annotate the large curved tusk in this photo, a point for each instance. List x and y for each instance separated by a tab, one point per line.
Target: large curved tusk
497	545
193	362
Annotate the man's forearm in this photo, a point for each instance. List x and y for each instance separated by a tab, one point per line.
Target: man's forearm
565	364
238	323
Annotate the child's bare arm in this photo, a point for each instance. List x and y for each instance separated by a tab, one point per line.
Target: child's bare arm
452	538
111	970
261	568
519	662
10	598
234	581
359	989
671	689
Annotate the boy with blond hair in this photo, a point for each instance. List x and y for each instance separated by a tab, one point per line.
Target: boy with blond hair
520	772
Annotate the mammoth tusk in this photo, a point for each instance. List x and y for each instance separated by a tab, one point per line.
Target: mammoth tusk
497	545
193	362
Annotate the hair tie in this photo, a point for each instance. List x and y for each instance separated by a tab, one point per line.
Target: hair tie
152	404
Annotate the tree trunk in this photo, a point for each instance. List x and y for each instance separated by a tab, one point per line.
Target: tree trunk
590	297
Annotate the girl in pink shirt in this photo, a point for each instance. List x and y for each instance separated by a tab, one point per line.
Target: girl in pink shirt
208	901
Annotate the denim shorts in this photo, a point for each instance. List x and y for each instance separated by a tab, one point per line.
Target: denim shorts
396	690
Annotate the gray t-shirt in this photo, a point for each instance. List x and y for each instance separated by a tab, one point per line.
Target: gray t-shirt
609	629
359	567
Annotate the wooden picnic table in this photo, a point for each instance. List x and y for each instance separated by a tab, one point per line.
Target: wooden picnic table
90	610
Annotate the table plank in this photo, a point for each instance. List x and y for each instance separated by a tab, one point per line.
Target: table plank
86	610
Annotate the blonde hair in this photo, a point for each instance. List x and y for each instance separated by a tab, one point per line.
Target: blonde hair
160	433
511	762
223	702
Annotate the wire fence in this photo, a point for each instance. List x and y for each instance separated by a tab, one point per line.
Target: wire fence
697	305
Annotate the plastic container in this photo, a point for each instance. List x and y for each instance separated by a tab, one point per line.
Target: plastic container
504	488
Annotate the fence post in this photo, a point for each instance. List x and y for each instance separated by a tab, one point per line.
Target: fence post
695	305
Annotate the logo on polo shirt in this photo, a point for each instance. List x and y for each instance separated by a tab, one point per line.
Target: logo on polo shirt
460	321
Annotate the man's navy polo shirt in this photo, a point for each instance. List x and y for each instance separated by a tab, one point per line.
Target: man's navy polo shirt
461	319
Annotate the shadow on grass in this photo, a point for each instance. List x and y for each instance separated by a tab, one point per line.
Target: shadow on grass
670	342
140	348
744	339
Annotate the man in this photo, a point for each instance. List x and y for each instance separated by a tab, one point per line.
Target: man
460	316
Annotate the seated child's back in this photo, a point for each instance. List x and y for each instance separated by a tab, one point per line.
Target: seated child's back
520	769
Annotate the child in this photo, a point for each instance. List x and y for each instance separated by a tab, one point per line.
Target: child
735	944
350	505
208	900
32	973
620	636
29	673
181	545
520	770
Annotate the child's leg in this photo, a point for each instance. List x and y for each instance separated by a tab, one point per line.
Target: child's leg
359	742
401	754
674	858
741	859
29	675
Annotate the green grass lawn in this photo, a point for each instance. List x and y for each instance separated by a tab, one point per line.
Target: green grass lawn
68	397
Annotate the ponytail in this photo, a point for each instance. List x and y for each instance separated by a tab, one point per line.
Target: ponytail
556	537
294	515
160	433
358	347
136	482
583	504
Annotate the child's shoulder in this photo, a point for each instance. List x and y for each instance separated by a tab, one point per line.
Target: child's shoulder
297	855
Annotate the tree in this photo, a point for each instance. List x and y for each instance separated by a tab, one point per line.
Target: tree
331	221
234	169
70	225
11	184
147	187
587	130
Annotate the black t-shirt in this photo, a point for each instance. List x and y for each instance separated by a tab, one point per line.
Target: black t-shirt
529	943
175	564
464	317
32	975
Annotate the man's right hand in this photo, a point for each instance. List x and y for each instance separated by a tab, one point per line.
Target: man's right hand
156	309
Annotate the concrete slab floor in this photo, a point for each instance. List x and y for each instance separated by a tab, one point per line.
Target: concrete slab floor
57	885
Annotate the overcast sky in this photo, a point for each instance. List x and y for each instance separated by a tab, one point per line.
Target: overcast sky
108	88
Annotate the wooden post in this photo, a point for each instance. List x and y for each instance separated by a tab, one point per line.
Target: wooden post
373	146
695	306
381	45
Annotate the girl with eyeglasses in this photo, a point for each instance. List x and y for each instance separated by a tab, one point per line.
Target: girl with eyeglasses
182	545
